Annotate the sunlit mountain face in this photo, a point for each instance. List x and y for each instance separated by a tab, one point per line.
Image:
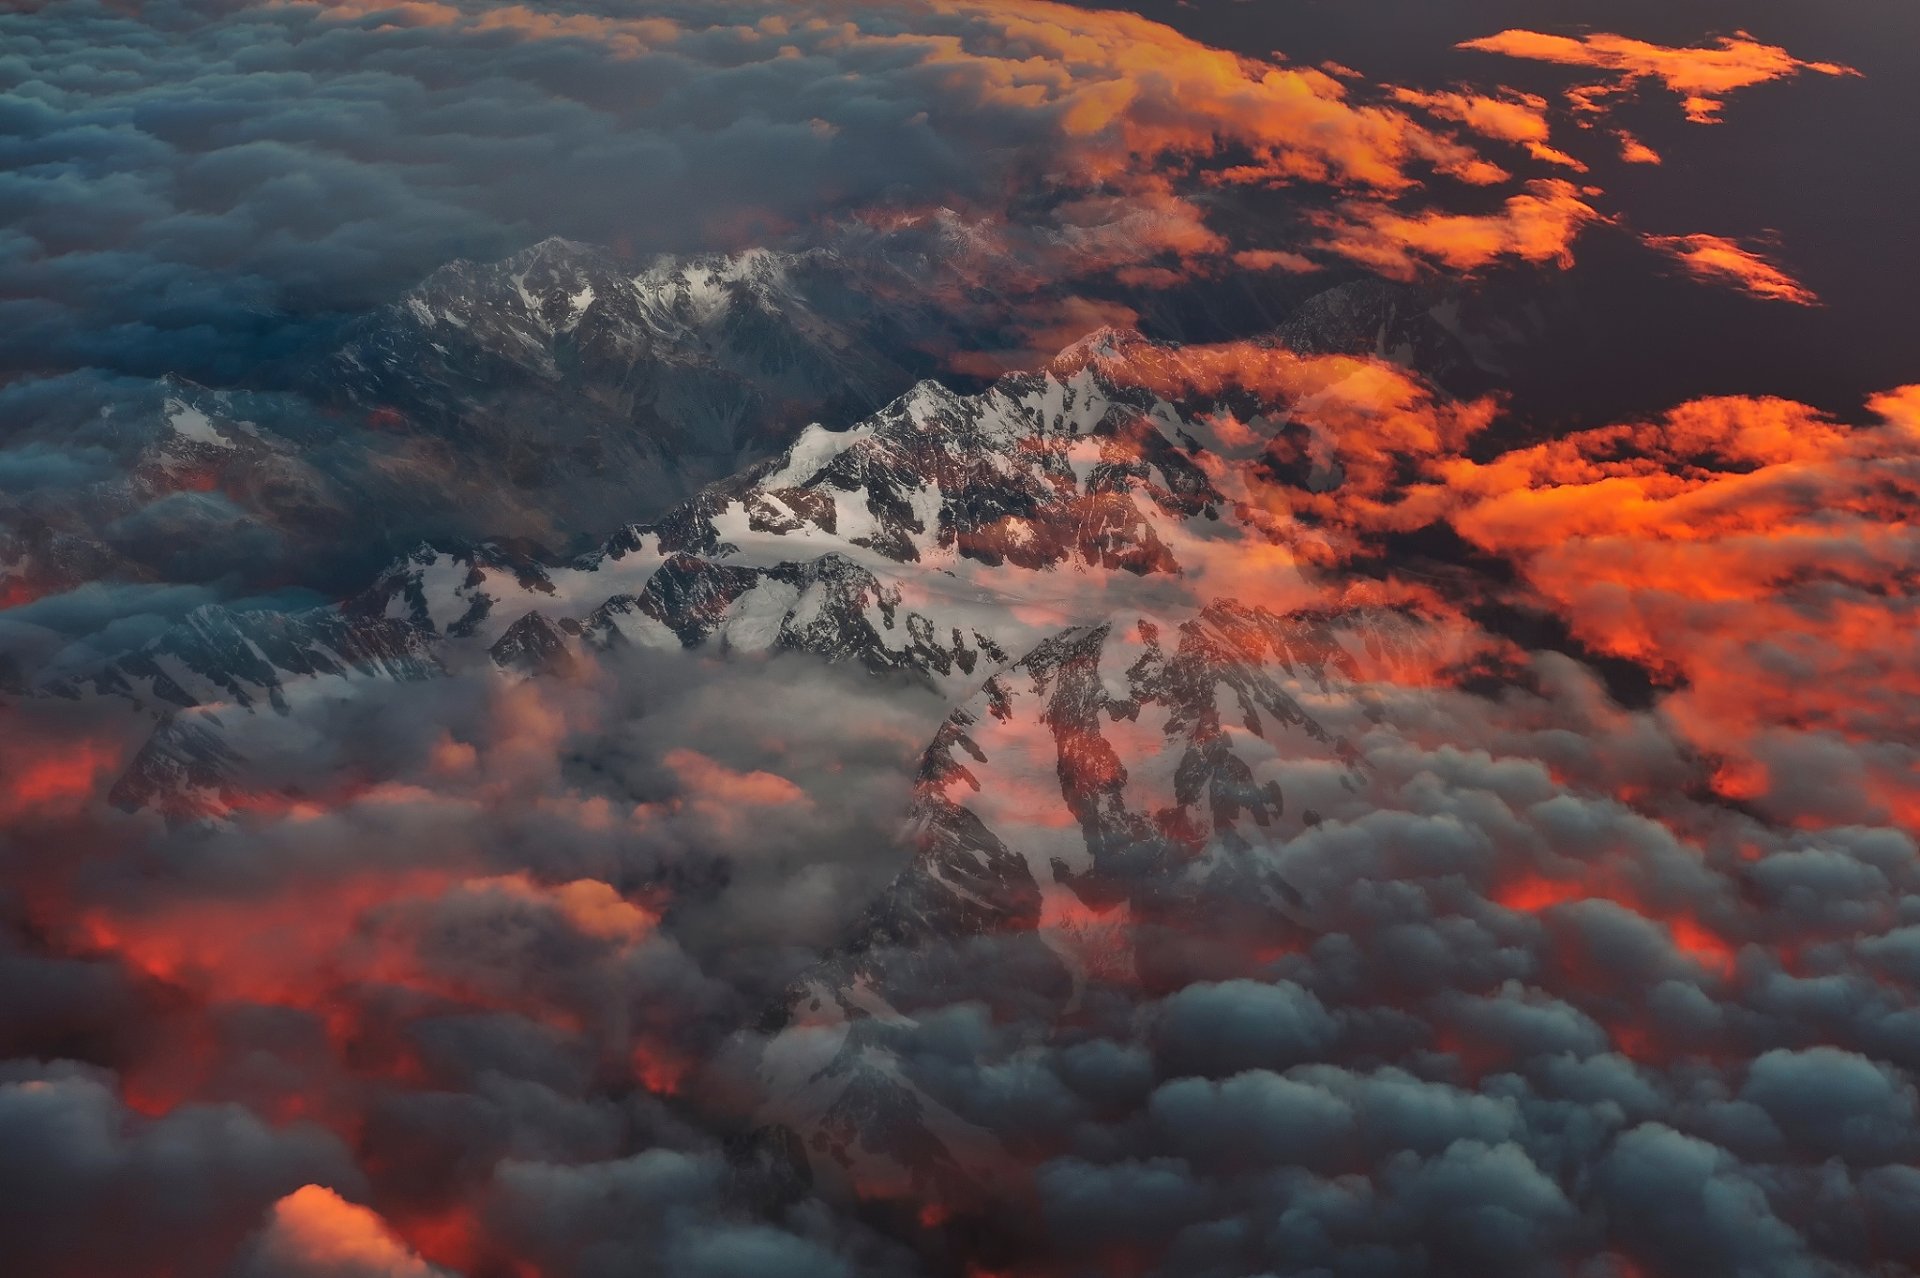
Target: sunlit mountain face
959	638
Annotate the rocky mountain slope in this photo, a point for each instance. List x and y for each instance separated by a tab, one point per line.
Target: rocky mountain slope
544	399
627	386
940	538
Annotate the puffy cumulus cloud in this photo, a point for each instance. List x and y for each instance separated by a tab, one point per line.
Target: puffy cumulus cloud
1241	1024
1429	1064
1717	259
1703	76
315	1233
1131	88
1834	1100
680	1211
1689	1204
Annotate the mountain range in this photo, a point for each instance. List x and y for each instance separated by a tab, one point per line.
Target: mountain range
1127	722
542	401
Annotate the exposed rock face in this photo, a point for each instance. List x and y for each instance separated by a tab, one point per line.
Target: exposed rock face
900	542
247	659
535	645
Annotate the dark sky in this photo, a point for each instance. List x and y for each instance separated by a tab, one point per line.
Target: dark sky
1822	166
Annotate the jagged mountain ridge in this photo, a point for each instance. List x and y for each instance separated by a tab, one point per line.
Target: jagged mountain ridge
940	538
548	398
544	399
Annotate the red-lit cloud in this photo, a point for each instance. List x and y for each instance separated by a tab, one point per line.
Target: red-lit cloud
1748	552
42	778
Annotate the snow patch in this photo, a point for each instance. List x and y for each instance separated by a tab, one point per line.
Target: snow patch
811	453
190	423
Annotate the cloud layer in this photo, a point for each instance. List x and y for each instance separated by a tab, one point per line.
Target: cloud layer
1590	949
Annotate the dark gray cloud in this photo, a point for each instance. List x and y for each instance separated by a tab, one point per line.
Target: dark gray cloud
1244	1025
206	188
188	1185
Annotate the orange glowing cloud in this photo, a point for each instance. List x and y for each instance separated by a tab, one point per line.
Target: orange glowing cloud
1274	260
1899	411
1539	225
1050	325
1367	405
364	931
1634	151
1755	555
1124	116
1128	90
327	948
315	1233
715	782
1122	89
1359	417
1519	118
1702	76
1719	260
